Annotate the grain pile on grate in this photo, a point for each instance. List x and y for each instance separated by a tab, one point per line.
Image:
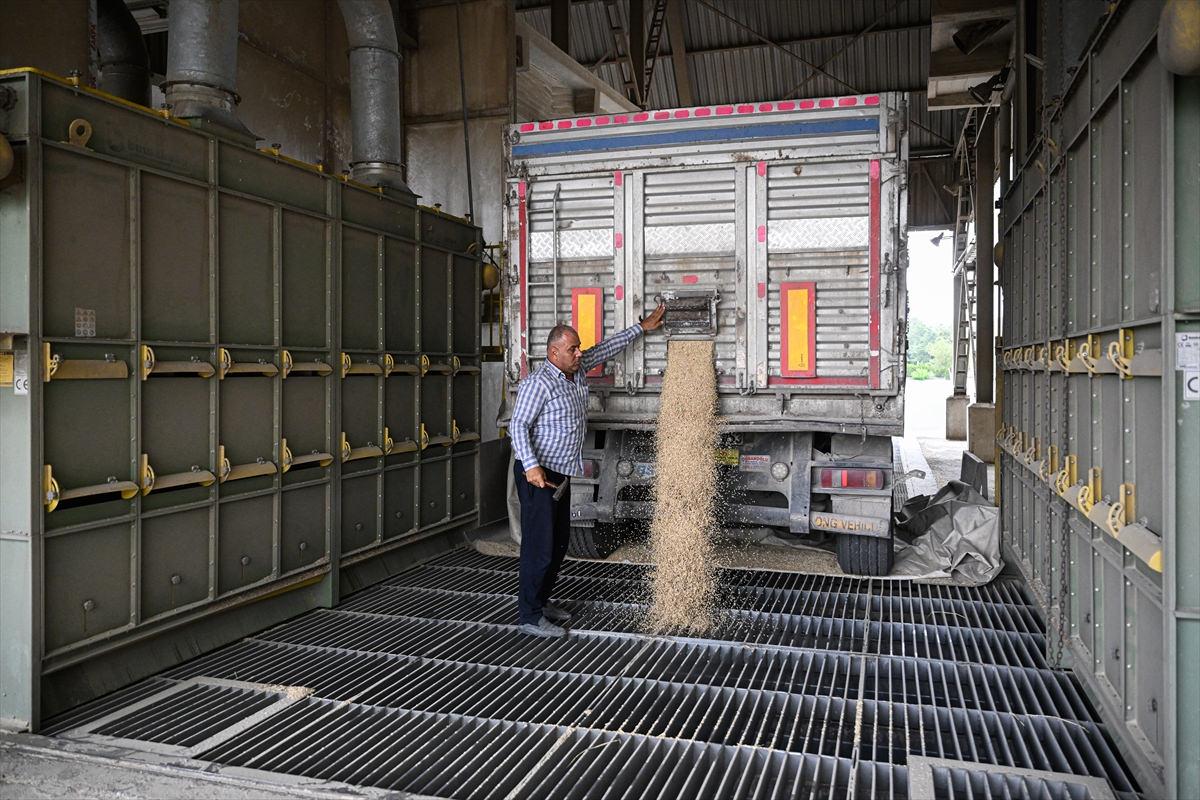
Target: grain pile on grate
681	535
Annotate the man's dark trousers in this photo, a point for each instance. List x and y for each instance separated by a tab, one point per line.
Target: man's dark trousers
545	536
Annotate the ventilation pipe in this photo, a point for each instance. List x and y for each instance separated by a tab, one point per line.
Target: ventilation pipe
201	86
124	61
374	94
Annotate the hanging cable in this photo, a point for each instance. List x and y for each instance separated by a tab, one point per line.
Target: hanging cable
462	91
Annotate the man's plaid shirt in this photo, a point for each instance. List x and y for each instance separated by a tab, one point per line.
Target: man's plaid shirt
550	417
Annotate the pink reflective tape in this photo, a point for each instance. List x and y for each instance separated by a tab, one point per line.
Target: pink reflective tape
762	233
787	105
827	102
527	127
762	290
662	115
703	112
847	101
766	106
545	126
745	109
762	168
620	119
682	113
618	240
583	123
872	100
724	110
602	120
807	104
563	124
618	178
691	279
641	116
619	291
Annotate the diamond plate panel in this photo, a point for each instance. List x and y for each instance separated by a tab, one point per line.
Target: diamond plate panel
821	233
587	243
666	240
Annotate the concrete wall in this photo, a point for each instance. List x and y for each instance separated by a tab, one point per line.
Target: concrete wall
433	108
55	35
294	78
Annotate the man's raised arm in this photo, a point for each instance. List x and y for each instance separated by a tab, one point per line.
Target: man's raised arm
604	350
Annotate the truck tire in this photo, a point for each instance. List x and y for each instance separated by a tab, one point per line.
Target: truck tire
589	541
865	555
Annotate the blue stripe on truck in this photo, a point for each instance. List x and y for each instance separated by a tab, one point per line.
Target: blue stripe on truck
775	130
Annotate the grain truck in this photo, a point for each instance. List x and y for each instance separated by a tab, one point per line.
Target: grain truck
775	229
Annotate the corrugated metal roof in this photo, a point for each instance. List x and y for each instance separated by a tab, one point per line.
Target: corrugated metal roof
729	64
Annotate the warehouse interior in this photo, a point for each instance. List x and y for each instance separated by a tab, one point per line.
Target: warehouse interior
254	306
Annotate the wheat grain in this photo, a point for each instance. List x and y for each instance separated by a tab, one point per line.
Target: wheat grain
682	582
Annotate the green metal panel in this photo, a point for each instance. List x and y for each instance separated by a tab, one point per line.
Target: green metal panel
1102	247
197	298
1183	451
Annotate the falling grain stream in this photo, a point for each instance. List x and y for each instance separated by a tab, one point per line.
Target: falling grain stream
683	580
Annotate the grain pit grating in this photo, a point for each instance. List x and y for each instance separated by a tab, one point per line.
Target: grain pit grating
806	686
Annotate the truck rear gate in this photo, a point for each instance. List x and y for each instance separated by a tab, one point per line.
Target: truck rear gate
774	229
792	212
810	685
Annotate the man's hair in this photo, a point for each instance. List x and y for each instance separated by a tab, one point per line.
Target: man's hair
557	334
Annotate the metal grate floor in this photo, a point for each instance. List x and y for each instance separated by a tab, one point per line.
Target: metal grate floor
809	686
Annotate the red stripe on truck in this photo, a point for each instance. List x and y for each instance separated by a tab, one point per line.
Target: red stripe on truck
522	266
873	285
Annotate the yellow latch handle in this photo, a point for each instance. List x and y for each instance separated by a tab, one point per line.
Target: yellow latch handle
50	489
147	360
147	474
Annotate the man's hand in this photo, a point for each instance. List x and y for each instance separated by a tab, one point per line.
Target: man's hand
654	319
537	477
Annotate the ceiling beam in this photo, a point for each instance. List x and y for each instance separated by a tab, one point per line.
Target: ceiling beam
679	60
560	24
833	37
637	45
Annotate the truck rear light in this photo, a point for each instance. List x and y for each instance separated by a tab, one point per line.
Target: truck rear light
851	478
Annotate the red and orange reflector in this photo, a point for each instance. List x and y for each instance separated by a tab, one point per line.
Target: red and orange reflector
851	478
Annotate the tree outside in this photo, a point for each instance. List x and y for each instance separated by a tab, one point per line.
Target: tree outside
930	350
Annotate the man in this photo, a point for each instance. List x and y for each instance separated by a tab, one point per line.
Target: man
547	428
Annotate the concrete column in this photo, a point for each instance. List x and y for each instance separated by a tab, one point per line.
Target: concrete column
981	417
985	276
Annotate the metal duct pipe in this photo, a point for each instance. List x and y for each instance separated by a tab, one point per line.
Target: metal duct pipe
374	94
124	61
202	41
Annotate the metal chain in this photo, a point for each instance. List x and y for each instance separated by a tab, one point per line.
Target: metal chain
1062	634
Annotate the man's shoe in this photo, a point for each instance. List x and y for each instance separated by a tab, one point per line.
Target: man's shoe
555	614
544	628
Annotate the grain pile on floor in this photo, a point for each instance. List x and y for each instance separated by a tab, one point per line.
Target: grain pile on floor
682	582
